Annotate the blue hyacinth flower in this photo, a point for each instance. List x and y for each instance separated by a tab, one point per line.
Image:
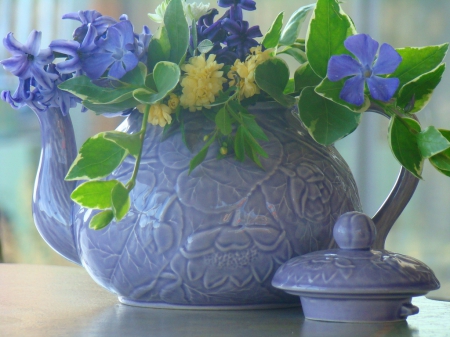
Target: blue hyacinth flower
365	69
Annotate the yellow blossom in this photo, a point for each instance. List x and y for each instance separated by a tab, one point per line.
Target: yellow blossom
173	101
245	72
160	115
201	83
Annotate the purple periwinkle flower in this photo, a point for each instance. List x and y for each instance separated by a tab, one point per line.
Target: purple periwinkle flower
365	69
241	36
74	50
99	21
116	50
27	60
236	7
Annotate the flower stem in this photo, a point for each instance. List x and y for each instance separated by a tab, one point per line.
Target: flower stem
132	182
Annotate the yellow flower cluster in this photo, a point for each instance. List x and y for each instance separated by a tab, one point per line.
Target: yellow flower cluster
242	74
160	113
201	83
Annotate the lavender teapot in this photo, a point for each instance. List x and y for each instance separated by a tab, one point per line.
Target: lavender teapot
213	238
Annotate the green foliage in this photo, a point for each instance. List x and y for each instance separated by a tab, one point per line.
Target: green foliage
404	144
94	194
328	29
305	77
223	121
177	31
325	120
158	48
272	76
205	46
420	89
431	142
97	158
273	35
292	29
129	142
101	220
120	201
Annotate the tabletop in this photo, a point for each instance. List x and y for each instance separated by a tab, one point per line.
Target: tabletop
49	301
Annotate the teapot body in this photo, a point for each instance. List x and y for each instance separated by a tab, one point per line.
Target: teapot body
215	237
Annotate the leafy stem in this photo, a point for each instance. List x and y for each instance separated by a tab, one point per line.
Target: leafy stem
132	182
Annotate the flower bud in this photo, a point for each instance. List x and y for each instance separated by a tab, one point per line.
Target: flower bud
223	151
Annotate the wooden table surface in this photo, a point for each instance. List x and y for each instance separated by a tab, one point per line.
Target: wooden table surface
49	301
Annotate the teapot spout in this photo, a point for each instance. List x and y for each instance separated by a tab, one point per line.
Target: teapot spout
52	206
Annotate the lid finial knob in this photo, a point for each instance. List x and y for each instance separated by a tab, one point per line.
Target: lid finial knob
354	230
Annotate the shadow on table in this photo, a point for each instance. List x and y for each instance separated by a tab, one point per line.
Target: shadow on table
122	320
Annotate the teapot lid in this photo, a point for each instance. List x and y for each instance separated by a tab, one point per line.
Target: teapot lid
355	268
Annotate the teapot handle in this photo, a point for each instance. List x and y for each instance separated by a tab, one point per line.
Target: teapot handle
396	201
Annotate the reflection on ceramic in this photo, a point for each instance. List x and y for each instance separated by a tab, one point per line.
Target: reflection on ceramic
355	283
211	238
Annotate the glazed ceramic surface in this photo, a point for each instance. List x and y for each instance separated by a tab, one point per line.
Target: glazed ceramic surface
355	283
211	238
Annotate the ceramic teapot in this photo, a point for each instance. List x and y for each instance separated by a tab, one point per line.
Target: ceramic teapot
212	238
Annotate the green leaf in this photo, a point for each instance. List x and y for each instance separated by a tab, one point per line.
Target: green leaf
239	148
101	220
166	76
177	30
120	201
256	148
431	142
272	76
290	87
200	157
298	54
305	77
253	127
97	158
292	29
194	36
404	144
418	61
421	88
441	161
129	142
223	121
325	120
111	108
94	194
205	46
328	29
331	90
273	35
136	77
158	48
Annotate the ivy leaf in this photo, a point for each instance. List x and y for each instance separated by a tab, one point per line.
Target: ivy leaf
421	89
404	144
129	142
223	121
328	29
325	120
158	48
292	29
305	77
97	158
332	90
177	31
101	220
298	54
272	76
110	108
200	157
120	201
273	35
205	46
94	194
418	61
441	161
136	77
165	76
431	142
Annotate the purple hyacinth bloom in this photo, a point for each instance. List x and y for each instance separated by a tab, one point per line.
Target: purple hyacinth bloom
143	40
27	60
116	49
236	7
74	50
99	21
241	36
23	95
365	70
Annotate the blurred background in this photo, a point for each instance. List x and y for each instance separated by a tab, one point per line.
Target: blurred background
423	230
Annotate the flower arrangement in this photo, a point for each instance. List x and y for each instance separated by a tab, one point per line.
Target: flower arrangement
198	63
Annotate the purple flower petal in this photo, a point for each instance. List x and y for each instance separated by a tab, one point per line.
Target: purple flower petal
387	61
12	45
69	66
353	90
18	65
341	66
225	3
117	70
363	47
33	42
65	47
381	88
232	26
130	61
254	32
95	64
248	5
